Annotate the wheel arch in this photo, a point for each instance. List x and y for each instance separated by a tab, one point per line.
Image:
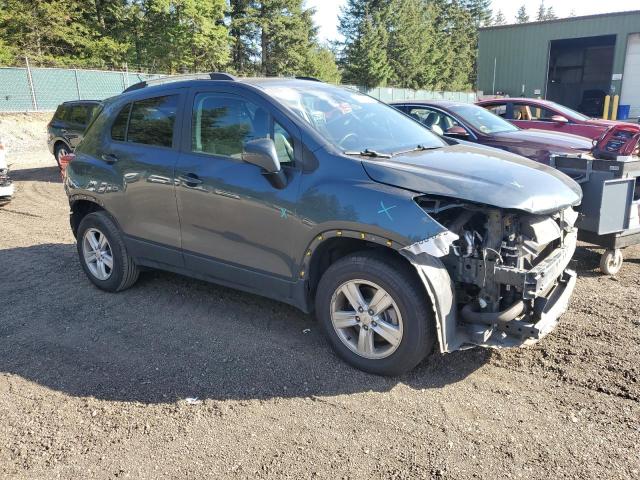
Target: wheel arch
331	245
81	206
57	141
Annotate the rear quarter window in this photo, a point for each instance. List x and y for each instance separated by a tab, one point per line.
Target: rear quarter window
119	127
61	111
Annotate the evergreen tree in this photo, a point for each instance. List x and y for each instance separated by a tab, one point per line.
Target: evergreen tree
47	32
411	41
480	11
366	55
500	19
322	65
542	12
243	32
522	15
551	14
186	35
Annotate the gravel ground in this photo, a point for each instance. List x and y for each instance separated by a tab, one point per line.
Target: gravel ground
95	385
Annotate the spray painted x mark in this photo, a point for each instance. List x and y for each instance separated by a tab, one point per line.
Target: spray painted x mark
385	210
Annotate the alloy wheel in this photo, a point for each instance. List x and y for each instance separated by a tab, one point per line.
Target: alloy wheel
97	254
366	319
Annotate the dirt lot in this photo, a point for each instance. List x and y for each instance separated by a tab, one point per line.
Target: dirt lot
95	385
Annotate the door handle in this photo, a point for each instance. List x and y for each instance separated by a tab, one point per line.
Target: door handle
190	179
109	158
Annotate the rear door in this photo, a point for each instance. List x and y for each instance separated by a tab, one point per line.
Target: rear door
142	151
236	226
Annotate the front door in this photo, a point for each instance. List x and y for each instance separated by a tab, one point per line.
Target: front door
236	226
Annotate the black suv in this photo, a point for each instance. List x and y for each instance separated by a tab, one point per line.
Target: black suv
68	124
329	200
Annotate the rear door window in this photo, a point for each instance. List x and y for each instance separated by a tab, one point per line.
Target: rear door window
152	121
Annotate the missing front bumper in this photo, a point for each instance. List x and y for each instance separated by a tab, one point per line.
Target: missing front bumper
546	288
517	333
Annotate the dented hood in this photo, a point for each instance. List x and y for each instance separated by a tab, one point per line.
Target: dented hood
480	175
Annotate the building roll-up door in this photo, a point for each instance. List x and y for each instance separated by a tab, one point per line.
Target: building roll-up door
630	94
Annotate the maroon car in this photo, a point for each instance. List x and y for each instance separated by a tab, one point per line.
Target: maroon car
469	122
546	115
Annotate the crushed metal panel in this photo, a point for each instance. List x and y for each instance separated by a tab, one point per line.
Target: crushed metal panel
441	290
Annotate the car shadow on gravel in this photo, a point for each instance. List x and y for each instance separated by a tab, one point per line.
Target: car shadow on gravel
170	337
39	174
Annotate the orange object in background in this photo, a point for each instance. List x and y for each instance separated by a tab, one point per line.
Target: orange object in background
64	161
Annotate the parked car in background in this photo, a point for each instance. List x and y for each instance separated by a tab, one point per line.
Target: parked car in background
66	128
331	201
469	122
6	185
529	113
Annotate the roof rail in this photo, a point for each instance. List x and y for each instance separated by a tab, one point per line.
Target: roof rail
178	78
312	79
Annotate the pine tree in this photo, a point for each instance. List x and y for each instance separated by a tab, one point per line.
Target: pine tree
243	33
366	55
411	41
500	19
49	33
186	35
522	15
480	11
551	14
322	65
542	12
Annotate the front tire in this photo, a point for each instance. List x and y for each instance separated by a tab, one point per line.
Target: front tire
103	254
375	313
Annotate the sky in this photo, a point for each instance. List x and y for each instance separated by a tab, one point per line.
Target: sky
327	10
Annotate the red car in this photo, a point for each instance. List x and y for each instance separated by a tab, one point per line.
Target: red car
465	121
545	115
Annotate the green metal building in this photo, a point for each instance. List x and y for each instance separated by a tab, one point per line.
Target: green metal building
572	61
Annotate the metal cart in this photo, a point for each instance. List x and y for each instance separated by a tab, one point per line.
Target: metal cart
609	213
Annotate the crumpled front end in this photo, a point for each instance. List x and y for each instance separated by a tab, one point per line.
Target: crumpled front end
496	278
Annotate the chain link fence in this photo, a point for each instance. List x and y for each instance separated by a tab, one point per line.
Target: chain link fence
26	89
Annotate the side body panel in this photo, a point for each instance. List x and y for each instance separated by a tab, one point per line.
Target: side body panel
134	182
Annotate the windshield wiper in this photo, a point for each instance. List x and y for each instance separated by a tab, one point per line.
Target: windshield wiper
418	148
369	153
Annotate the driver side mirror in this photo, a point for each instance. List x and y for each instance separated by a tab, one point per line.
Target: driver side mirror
262	153
559	119
457	132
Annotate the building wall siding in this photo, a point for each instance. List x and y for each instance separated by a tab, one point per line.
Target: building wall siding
521	52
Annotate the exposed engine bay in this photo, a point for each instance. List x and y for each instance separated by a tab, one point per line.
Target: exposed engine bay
508	270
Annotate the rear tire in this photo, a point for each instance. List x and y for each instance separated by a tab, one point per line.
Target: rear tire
60	150
387	335
103	254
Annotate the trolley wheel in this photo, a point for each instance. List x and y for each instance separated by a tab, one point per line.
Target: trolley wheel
611	261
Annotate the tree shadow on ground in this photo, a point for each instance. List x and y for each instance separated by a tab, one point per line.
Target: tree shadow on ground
171	337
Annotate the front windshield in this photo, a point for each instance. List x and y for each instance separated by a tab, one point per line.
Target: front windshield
483	120
568	112
351	121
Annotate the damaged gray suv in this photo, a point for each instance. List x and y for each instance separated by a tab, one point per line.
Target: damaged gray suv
326	199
